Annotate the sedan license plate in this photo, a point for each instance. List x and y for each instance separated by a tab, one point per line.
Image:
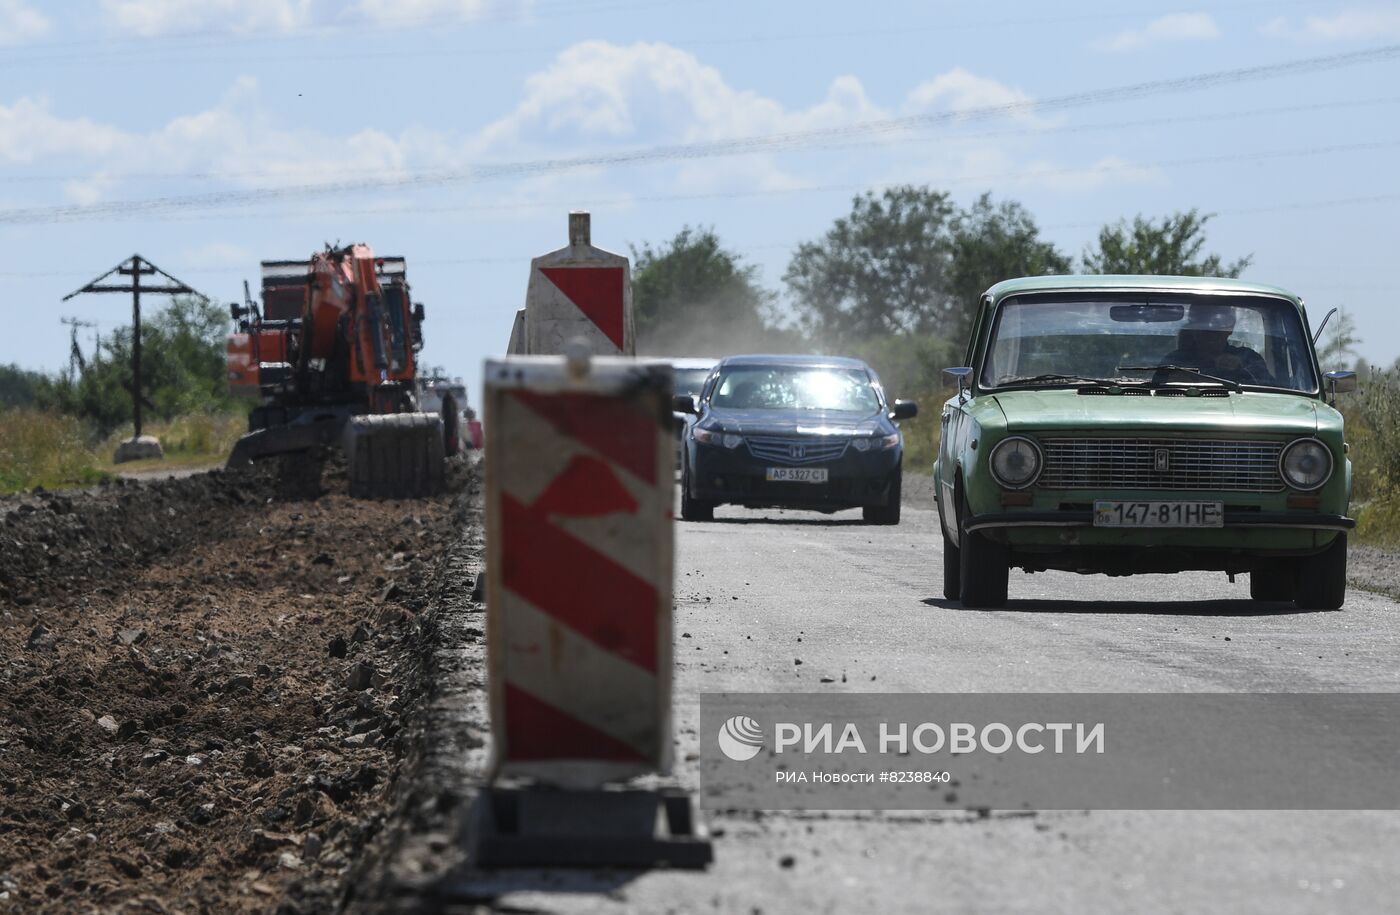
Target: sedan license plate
1159	514
797	475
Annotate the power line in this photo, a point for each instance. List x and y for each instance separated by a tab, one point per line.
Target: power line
1027	131
1333	203
296	37
695	151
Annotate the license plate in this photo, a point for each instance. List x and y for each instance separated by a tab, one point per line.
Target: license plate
1159	514
797	474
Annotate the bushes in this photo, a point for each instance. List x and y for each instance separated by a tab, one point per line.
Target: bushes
1373	431
44	449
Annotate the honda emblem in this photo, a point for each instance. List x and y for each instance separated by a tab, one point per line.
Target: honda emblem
797	452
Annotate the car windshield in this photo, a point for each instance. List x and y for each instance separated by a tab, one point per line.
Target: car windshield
1130	338
782	387
689	381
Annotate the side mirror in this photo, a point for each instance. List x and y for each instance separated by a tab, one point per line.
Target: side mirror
960	377
418	312
1341	382
685	403
904	409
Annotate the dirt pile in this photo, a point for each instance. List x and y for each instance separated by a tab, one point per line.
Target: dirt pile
203	691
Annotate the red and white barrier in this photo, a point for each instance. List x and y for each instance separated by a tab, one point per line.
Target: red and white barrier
577	295
579	563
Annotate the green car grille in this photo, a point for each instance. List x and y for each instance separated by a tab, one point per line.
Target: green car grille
1159	463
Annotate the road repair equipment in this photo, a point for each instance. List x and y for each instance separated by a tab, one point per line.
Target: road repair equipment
579	616
578	293
332	358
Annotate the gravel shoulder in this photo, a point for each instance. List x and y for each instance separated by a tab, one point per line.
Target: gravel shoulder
204	684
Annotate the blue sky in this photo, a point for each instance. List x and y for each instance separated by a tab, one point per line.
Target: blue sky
210	135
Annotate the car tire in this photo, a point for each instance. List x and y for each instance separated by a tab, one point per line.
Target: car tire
889	512
694	509
984	572
1271	582
952	567
1322	579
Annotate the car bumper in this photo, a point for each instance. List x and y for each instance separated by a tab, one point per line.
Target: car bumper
1239	520
735	477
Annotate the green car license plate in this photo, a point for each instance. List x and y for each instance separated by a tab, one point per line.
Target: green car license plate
797	474
1110	513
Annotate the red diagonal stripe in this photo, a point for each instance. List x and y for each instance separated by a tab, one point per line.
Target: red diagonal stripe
609	425
597	291
577	585
537	730
587	488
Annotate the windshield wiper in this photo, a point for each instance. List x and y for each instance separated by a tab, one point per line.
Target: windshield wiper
1056	376
1229	383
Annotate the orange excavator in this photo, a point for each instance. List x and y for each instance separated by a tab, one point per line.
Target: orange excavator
331	358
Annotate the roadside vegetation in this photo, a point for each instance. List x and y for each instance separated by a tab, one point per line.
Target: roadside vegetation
1373	429
60	430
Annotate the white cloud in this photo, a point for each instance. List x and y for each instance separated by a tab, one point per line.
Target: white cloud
1348	25
419	12
149	18
601	92
960	91
29	131
1172	27
19	22
595	97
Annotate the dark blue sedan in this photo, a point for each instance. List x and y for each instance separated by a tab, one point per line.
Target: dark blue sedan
806	432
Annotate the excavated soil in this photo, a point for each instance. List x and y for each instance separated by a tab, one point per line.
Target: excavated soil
204	685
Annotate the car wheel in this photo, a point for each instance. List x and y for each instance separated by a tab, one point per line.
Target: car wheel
694	509
983	572
952	567
1322	579
1271	581
889	512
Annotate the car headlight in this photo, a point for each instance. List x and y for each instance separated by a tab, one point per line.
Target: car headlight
1306	464
715	437
878	442
1015	462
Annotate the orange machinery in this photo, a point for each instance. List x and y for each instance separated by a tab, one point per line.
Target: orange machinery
331	358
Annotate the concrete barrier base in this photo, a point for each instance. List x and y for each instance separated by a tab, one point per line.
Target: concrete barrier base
543	827
142	448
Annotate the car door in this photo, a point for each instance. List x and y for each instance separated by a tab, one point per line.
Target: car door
954	432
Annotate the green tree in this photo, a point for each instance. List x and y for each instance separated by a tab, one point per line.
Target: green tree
994	242
182	367
691	295
883	269
1171	247
19	387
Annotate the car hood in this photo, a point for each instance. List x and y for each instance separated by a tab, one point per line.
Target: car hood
1249	411
807	422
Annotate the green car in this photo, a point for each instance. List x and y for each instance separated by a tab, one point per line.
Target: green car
1127	424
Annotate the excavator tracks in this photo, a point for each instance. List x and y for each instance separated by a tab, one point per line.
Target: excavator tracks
395	456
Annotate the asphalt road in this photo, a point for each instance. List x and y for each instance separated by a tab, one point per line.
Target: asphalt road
862	607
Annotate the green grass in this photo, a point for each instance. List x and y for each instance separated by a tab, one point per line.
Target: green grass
1373	434
201	437
44	449
921	433
55	451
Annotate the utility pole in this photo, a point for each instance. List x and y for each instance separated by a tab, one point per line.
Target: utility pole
76	362
136	267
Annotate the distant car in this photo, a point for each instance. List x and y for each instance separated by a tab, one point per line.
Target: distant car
806	432
1125	424
690	374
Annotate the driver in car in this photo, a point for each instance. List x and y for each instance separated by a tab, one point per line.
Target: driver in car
1204	343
